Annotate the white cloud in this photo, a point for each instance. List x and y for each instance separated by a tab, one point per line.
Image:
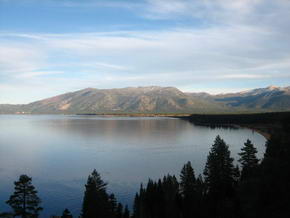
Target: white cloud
177	57
243	76
19	58
99	65
241	40
37	73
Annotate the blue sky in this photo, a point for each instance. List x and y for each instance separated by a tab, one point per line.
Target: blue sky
49	47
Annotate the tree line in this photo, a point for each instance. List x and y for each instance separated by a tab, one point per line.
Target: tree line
25	203
256	188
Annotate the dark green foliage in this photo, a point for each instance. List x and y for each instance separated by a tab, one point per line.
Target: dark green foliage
248	160
169	198
119	211
187	177
136	206
113	203
219	170
126	212
189	192
216	120
97	203
220	176
236	174
274	148
6	215
274	180
266	193
201	188
158	199
66	214
171	201
263	192
193	197
24	201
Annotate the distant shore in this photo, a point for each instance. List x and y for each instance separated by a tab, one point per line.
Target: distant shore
264	123
138	114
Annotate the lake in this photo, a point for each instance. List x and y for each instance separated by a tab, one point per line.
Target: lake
60	151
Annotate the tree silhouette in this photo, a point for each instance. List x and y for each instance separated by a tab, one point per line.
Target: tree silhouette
126	212
6	215
24	201
219	175
274	177
188	191
248	160
158	199
96	201
119	211
113	203
187	177
66	214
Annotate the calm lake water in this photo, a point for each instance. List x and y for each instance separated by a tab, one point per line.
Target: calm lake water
59	152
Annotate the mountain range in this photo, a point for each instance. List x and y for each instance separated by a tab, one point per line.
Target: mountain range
155	99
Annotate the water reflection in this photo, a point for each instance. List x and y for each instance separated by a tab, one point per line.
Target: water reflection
60	151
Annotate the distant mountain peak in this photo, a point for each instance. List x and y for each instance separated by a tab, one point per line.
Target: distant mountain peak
156	99
271	98
273	87
88	89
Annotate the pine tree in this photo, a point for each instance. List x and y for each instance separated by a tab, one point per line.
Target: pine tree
188	191
96	201
126	212
274	177
236	174
158	199
248	160
139	207
119	211
219	175
136	206
113	204
219	169
6	215
66	214
24	201
200	196
170	194
187	180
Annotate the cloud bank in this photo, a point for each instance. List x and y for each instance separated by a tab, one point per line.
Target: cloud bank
219	44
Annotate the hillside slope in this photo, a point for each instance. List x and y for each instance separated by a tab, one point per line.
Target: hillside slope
270	98
126	100
155	99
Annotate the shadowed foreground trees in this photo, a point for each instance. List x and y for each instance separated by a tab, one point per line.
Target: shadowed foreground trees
191	190
259	190
248	160
262	190
158	199
96	200
97	203
193	197
66	214
220	175
24	201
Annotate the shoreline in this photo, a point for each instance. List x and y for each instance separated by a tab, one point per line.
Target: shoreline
265	124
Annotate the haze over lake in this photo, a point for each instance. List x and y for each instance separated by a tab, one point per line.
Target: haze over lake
59	152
